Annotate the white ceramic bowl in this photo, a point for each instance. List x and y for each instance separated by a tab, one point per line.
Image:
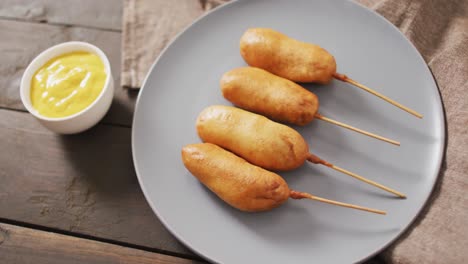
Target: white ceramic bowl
87	117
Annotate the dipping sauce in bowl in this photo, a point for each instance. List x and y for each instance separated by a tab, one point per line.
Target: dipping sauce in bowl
67	84
68	87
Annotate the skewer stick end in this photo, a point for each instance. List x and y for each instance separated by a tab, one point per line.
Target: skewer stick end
302	195
373	183
355	129
344	78
402	196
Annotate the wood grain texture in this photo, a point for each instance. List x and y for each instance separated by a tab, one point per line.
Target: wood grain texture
22	41
103	14
24	245
83	183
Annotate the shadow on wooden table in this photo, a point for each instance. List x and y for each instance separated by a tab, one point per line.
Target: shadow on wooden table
102	158
122	108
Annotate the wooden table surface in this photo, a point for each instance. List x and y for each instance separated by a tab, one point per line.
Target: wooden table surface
75	198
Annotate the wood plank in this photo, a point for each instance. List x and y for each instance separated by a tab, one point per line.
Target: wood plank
22	41
24	245
82	183
103	14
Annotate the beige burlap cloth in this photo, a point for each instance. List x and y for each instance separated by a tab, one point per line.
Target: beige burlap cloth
438	29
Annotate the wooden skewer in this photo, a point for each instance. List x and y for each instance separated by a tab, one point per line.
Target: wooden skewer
345	78
314	159
399	194
391	141
302	195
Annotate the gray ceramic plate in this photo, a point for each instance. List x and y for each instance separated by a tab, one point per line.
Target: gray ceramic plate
185	79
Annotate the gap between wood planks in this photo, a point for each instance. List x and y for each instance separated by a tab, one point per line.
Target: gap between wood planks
102	14
102	122
98	239
58	24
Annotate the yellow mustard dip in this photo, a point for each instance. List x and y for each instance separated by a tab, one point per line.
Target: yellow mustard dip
67	84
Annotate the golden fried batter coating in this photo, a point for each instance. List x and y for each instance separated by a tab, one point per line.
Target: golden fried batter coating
264	93
257	139
237	182
286	57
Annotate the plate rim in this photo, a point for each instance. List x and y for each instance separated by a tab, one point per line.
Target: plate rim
442	146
